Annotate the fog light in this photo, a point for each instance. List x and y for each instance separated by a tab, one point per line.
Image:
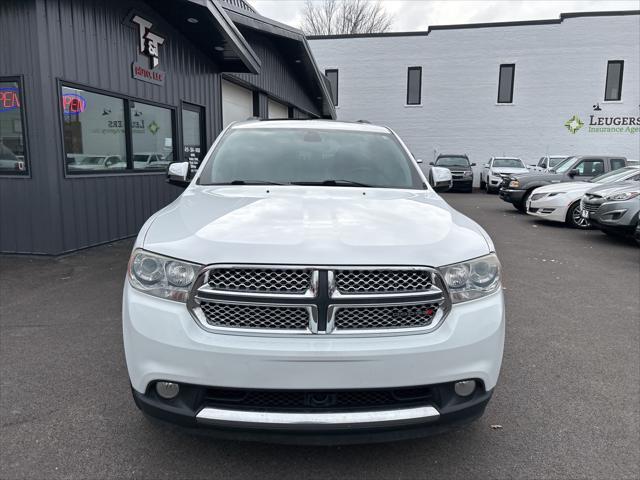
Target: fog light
465	387
167	390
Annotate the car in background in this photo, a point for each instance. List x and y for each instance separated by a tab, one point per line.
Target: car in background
548	162
76	162
460	168
439	178
633	162
150	160
613	208
497	170
518	188
560	202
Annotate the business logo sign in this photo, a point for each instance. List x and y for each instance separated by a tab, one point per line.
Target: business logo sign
574	124
599	123
149	45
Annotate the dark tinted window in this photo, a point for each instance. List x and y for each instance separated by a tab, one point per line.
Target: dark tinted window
311	156
613	88
505	83
332	75
452	161
13	154
414	85
617	163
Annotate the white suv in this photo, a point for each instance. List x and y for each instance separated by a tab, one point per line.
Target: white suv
309	285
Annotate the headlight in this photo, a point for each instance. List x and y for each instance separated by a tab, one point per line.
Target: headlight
473	279
623	196
161	276
467	174
514	184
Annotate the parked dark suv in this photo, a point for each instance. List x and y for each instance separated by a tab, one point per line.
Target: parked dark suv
517	188
460	170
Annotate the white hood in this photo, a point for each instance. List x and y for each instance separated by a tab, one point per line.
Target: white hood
567	187
313	226
509	170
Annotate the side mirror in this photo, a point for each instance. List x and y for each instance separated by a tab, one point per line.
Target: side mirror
473	164
418	160
486	165
178	173
573	172
432	163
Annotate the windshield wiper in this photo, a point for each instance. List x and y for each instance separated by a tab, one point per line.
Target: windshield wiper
335	183
251	182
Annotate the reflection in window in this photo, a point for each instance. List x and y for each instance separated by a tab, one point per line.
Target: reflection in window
12	141
613	87
151	135
505	83
94	131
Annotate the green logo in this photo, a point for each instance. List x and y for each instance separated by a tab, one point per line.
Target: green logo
154	127
574	124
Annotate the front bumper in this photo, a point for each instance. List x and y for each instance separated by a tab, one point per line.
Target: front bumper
511	195
554	208
163	342
620	216
464	183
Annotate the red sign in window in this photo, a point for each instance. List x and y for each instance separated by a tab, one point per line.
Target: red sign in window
9	99
73	104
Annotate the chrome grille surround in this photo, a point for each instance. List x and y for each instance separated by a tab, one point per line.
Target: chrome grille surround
379	300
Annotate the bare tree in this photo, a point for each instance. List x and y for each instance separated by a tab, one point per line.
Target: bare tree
330	17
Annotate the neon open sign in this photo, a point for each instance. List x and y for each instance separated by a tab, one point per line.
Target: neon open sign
9	98
73	104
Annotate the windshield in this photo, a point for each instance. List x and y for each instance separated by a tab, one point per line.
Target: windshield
508	163
452	161
307	156
615	176
555	161
564	165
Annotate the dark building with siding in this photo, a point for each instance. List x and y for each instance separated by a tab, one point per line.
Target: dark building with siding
96	98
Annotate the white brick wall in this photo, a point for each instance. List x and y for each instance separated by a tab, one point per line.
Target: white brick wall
560	71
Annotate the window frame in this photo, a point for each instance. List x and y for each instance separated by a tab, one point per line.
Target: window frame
129	171
419	69
513	77
326	72
19	79
606	80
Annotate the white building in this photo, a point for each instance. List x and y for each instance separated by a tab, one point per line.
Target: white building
439	89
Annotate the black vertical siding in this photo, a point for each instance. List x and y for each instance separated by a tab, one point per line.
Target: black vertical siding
88	42
278	76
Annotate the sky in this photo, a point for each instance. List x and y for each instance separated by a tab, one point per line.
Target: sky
411	15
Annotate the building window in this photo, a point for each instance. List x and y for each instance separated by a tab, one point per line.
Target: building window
108	134
613	87
414	85
332	75
505	83
13	150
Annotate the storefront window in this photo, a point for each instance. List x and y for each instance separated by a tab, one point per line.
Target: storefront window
108	134
94	132
13	159
152	136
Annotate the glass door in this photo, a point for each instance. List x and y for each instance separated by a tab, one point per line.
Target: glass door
193	137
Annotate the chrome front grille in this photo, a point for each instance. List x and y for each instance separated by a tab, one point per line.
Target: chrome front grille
591	203
318	300
241	315
354	317
383	281
296	281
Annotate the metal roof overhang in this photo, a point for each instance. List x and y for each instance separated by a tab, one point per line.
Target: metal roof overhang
294	46
214	33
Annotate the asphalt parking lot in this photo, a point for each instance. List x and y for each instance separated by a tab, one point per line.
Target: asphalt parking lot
568	399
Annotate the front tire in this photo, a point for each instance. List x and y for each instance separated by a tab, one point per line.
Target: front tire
575	219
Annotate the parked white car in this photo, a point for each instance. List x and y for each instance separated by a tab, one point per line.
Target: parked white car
560	202
440	178
310	283
499	168
149	160
548	162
